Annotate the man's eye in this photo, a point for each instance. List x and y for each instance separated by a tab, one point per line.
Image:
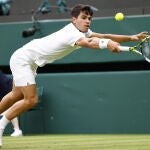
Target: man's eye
90	19
83	17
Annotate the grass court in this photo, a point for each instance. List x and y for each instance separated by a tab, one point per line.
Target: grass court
78	142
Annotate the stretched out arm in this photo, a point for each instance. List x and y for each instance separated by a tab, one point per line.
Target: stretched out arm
97	43
121	38
94	42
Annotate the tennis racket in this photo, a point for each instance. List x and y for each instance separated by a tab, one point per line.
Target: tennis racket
143	48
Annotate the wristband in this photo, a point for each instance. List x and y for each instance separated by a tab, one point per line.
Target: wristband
103	43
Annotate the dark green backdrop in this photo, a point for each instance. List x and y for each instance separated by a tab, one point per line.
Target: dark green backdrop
96	102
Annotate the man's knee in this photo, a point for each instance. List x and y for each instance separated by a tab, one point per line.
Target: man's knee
31	101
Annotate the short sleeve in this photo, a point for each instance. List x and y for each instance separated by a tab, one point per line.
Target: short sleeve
74	37
89	33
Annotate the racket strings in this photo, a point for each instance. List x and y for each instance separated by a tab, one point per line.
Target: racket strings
145	48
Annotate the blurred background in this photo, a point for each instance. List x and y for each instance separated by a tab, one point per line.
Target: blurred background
21	10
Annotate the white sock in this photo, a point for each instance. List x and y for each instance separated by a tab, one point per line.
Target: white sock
16	129
3	122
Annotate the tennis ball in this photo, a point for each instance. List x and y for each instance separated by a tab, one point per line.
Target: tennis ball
119	16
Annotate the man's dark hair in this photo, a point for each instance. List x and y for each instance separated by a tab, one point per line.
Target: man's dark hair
81	8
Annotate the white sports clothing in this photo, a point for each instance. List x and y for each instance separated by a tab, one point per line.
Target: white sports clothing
23	70
39	52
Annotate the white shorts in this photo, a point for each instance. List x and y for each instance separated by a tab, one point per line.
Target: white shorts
23	69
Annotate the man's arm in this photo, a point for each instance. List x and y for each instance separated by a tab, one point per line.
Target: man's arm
97	39
121	38
97	43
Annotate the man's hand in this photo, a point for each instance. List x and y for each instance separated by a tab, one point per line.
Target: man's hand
113	46
139	37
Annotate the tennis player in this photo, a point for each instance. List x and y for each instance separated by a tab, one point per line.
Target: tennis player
25	61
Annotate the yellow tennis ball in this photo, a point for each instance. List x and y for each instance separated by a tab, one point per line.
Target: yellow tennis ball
119	16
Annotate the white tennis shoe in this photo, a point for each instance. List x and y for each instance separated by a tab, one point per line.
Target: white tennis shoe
17	133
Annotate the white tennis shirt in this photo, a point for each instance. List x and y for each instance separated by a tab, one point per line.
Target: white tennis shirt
54	46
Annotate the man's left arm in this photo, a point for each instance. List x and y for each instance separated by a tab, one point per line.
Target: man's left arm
121	38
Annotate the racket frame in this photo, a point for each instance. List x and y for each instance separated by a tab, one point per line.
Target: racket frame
134	48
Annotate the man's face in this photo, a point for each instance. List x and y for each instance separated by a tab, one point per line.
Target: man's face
82	22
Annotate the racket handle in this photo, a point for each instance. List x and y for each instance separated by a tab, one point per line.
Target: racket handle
124	48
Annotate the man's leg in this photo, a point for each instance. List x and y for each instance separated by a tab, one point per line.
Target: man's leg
9	99
6	102
17	131
29	93
30	100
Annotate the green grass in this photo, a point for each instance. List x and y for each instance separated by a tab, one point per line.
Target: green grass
78	142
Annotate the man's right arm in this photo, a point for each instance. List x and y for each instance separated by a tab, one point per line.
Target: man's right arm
97	43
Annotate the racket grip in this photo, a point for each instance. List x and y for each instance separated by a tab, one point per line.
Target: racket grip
124	48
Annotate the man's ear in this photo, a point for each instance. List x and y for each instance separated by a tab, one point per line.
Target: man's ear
73	19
